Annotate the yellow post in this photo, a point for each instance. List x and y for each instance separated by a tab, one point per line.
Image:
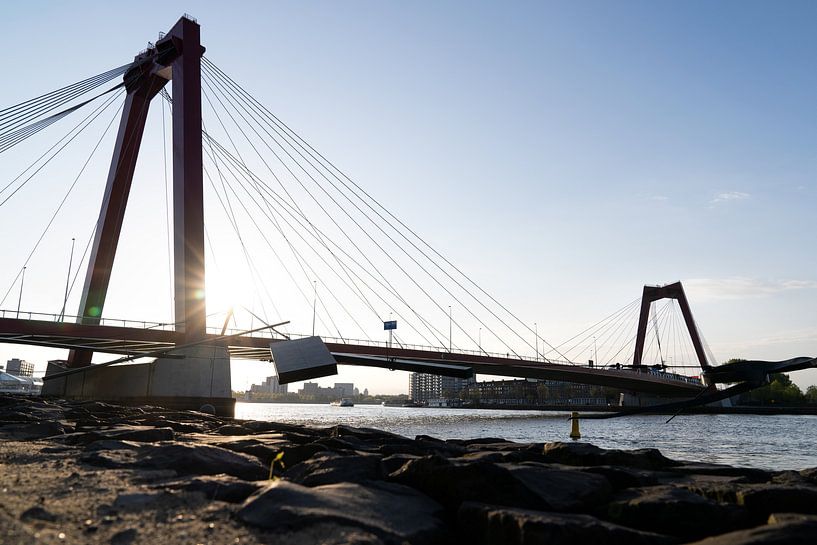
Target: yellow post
574	427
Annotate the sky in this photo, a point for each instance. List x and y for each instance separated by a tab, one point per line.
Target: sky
562	154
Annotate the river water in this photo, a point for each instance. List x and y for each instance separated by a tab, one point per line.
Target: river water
767	442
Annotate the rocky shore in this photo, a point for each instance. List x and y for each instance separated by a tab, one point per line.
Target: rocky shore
90	472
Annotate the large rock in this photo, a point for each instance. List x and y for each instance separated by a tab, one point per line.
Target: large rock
367	434
202	460
761	500
438	446
803	532
562	490
120	458
163	422
396	514
624	477
451	484
749	474
142	434
24	431
674	511
482	524
265	449
330	468
585	454
298	453
264	426
810	474
217	487
528	486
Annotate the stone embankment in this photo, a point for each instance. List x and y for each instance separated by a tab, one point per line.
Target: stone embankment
89	472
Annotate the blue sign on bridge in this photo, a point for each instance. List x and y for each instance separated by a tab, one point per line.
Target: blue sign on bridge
390	325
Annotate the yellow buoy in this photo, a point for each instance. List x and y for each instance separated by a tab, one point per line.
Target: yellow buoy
574	427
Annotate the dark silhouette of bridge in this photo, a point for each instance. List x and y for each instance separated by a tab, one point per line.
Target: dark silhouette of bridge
177	57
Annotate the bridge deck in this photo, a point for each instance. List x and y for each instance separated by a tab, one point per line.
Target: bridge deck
142	340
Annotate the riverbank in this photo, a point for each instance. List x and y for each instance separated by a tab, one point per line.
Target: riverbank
97	473
737	409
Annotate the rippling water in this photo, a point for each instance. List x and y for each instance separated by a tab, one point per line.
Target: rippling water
769	442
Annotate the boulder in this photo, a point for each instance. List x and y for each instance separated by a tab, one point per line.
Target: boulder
232	429
562	490
264	451
329	467
675	511
111	459
142	434
531	486
623	477
803	532
438	446
585	454
217	487
451	484
298	453
810	474
24	431
263	426
178	427
482	524
367	434
396	514
202	460
762	500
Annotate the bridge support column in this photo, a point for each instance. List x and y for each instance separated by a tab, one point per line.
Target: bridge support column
202	377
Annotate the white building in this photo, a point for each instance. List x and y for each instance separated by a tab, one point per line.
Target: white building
423	387
270	386
20	368
344	389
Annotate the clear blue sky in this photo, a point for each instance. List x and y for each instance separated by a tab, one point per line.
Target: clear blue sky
562	153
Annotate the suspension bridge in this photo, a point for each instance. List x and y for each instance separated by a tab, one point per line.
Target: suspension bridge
240	182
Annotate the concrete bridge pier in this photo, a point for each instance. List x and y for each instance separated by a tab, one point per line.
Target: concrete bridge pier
201	377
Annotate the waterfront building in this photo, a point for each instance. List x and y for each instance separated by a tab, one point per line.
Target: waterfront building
424	387
20	368
340	390
344	389
540	392
270	386
310	389
14	384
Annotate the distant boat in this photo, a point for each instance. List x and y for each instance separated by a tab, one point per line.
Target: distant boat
345	402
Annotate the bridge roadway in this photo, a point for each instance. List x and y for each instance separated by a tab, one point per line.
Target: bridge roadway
129	340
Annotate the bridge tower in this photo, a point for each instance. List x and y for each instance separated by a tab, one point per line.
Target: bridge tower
176	57
656	293
196	374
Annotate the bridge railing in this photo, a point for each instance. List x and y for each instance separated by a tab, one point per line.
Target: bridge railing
65	318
